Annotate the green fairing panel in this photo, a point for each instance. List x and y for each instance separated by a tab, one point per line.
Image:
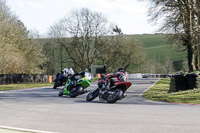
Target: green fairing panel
84	83
65	91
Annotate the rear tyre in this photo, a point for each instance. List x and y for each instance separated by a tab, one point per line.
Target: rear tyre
92	95
112	98
76	91
56	84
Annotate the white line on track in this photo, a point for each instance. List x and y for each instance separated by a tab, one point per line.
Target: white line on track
24	130
148	88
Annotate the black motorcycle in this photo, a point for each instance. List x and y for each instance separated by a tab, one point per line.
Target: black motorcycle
60	80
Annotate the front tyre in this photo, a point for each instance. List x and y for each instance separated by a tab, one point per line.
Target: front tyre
112	98
60	93
76	91
92	95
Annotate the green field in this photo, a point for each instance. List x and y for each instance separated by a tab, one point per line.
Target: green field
157	47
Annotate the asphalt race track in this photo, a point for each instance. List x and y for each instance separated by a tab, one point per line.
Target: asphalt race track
42	110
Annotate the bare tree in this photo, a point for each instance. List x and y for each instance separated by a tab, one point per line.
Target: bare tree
19	53
81	33
124	51
89	39
180	20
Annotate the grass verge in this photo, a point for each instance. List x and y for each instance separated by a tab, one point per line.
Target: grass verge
159	92
28	85
23	86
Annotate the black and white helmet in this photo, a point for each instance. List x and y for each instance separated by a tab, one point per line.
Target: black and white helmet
65	72
70	72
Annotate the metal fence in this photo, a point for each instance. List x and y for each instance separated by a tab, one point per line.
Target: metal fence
22	78
140	75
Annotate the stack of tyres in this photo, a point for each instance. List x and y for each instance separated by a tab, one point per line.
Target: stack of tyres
172	87
192	81
180	82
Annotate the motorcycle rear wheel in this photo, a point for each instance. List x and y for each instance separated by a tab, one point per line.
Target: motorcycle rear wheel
77	91
112	98
56	84
92	95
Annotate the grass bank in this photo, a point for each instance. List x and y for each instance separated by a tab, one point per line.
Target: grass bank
29	85
23	86
159	92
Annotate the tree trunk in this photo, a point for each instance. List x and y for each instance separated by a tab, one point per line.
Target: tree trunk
198	35
197	57
191	55
61	58
190	34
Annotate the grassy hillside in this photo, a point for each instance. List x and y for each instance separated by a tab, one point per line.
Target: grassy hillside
158	48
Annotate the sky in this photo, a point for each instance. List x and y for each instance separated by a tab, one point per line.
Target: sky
129	15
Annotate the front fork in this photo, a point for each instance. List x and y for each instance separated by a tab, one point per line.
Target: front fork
65	90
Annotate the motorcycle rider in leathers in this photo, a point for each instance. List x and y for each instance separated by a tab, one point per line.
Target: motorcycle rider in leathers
74	79
121	76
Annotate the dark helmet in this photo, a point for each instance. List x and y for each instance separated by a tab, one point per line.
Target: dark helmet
120	70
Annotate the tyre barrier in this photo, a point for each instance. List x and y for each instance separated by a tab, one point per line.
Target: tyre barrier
192	81
180	82
186	82
157	76
22	78
172	86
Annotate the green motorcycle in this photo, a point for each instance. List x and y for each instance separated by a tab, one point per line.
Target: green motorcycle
73	89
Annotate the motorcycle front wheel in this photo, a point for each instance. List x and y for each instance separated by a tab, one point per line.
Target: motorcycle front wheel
60	93
92	95
112	98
